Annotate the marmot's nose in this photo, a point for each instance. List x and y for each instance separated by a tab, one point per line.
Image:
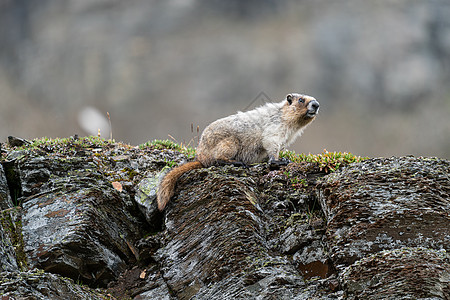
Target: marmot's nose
314	105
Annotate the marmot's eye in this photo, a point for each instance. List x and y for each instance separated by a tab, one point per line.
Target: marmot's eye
301	100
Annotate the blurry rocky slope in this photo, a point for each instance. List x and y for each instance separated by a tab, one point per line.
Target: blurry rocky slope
380	69
82	211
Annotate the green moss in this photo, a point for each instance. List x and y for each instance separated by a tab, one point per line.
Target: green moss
83	142
161	144
296	218
65	146
12	224
260	261
168	144
131	173
327	161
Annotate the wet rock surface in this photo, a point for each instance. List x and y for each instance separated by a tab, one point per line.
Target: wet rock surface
383	204
87	212
74	222
215	231
396	209
404	273
36	284
9	233
5	199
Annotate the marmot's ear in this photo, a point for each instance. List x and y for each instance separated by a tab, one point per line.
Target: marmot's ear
289	99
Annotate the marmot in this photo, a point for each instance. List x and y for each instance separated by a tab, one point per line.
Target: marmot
247	138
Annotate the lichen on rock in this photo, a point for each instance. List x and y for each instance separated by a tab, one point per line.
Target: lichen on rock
383	205
393	274
36	284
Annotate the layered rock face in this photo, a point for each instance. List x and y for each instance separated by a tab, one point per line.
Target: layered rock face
388	227
79	221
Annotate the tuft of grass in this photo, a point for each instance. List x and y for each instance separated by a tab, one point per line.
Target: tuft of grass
327	161
168	144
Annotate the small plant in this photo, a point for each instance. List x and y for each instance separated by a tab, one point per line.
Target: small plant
327	161
170	163
296	182
312	210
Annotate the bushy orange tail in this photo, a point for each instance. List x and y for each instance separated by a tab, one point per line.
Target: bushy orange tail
167	185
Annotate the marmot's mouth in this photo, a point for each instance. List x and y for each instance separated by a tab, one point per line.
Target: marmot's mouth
311	113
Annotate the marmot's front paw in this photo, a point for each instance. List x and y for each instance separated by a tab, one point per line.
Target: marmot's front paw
276	163
232	163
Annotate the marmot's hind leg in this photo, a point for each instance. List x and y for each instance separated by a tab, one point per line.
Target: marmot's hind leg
226	150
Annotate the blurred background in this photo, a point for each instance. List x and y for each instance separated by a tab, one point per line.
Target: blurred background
380	69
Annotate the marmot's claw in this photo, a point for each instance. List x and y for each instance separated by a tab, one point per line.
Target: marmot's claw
285	160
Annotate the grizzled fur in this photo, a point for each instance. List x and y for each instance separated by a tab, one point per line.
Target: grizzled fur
247	137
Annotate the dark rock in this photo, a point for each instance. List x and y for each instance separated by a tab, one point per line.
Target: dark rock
8	235
147	247
139	283
384	205
74	222
5	198
88	213
198	249
16	141
296	237
404	273
312	260
35	284
215	244
81	233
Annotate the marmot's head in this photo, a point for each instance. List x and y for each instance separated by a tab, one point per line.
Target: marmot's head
301	109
